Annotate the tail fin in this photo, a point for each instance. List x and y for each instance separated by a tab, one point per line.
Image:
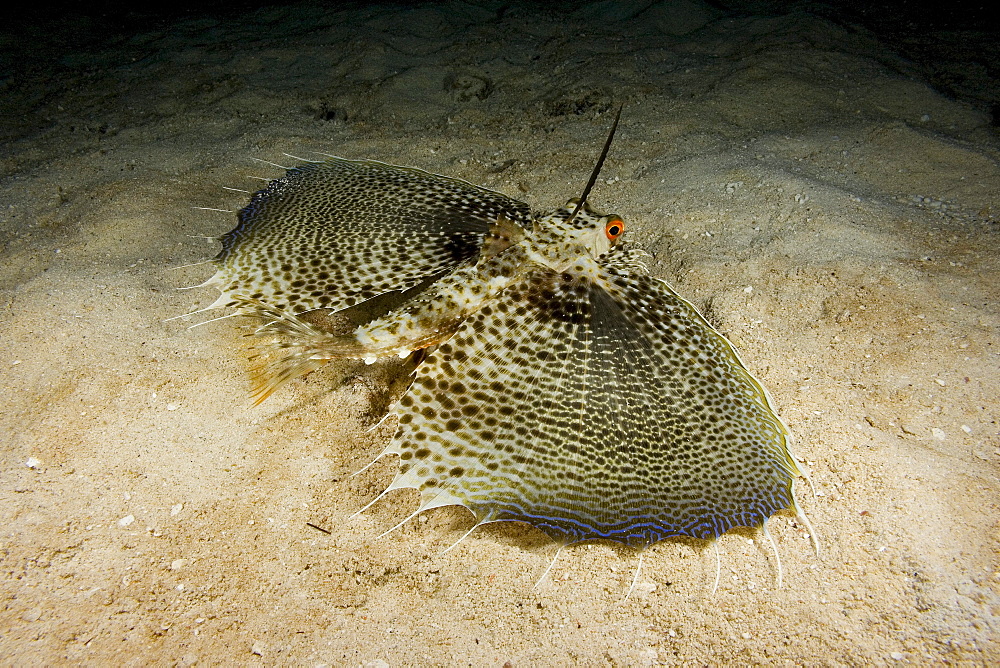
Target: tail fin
307	347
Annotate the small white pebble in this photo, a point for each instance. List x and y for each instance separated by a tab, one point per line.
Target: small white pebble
939	382
746	636
938	434
897	656
176	509
33	463
748	289
172	407
178	564
967	429
125	521
645	588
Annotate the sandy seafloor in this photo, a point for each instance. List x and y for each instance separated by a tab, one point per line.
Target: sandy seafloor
830	211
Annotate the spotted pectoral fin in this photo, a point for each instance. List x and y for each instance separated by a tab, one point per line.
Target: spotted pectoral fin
594	406
335	233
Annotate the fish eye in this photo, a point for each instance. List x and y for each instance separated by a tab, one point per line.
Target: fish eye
614	228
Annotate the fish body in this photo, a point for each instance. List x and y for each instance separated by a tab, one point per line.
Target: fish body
561	384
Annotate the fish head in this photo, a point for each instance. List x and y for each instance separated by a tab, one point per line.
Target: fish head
595	231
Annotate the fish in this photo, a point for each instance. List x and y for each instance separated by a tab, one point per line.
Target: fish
556	382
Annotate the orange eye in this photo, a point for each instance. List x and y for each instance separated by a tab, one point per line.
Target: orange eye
614	228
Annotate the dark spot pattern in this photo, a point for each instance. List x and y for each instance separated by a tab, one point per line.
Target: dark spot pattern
570	389
340	232
605	407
